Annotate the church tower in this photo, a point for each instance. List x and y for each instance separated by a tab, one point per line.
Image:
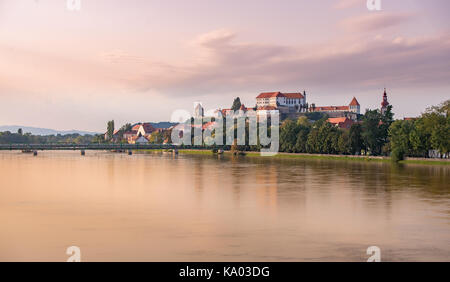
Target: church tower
198	110
384	103
354	106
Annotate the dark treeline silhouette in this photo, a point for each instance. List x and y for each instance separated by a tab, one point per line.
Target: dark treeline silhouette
27	138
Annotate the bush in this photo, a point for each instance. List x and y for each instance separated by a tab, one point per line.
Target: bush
397	155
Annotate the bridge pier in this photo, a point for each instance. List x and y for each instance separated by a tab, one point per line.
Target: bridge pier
83	152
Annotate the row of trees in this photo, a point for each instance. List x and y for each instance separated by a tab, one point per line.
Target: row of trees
376	134
367	137
155	138
20	138
431	131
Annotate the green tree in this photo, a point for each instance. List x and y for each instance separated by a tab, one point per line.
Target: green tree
399	133
312	144
125	128
386	120
19	131
356	141
440	138
302	138
156	138
437	122
288	136
303	121
327	138
344	145
371	133
99	138
110	129
419	139
236	104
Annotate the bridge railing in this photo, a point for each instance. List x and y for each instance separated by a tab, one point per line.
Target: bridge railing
92	146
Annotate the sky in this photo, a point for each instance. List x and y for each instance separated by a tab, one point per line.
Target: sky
140	60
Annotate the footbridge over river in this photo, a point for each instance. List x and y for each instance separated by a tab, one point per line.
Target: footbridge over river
83	147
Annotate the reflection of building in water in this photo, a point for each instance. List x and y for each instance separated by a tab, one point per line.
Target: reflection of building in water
267	182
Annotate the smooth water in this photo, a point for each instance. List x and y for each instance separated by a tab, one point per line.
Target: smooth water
159	207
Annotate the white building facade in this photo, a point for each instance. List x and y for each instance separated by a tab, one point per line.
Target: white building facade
277	99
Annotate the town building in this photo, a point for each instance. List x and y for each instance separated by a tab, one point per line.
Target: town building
341	122
243	110
267	111
145	129
353	107
289	101
136	127
115	136
138	140
129	134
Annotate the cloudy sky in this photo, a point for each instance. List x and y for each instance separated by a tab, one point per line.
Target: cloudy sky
139	60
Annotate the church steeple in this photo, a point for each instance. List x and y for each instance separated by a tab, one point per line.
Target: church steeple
384	103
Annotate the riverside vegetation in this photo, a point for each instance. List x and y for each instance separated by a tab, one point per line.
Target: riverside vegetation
376	134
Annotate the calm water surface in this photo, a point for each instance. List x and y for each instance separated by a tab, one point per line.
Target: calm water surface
157	207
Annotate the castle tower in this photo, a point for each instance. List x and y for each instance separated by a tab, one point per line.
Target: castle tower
384	103
354	106
198	110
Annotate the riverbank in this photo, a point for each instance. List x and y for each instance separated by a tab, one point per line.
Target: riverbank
322	157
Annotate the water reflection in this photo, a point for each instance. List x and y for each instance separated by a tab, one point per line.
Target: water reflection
155	207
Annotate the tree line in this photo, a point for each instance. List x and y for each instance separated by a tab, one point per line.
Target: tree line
8	137
375	134
416	137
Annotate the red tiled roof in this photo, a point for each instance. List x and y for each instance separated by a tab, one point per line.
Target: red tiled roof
354	102
279	94
136	127
148	128
208	125
133	132
269	95
331	108
293	95
267	108
337	119
342	122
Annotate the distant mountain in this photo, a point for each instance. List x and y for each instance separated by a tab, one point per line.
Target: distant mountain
162	124
42	131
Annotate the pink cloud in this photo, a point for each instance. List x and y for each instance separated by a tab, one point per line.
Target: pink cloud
375	21
345	4
233	66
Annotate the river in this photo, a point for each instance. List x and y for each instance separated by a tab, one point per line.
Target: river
159	207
